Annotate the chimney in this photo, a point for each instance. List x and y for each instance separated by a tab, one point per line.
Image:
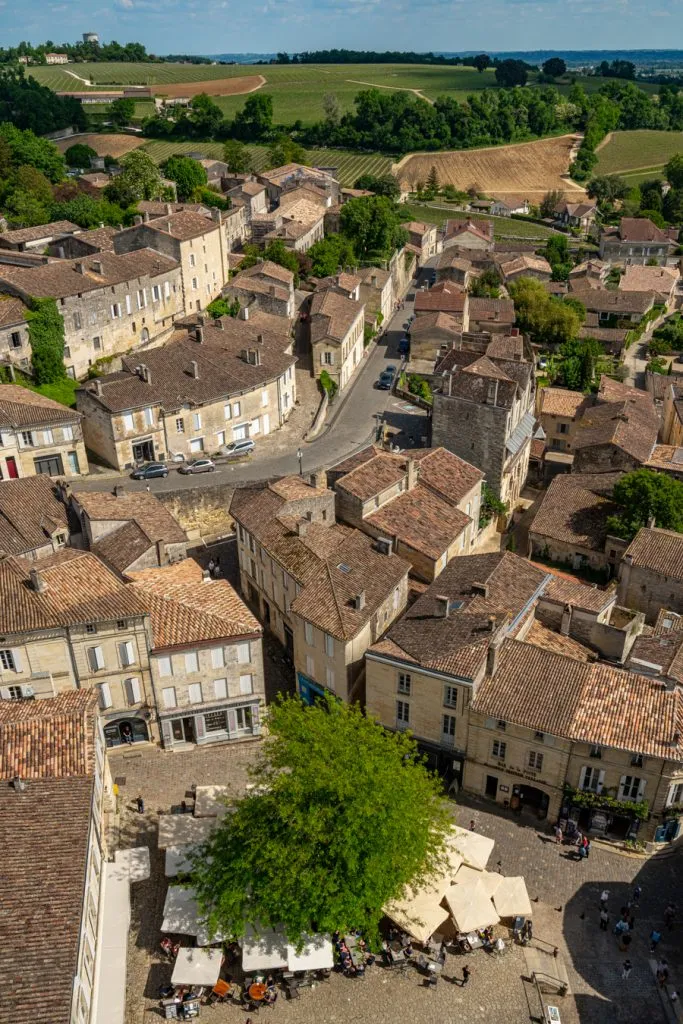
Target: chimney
244	354
442	606
491	623
492	655
514	332
119	490
145	217
137	219
271	289
219	324
168	210
373	280
257	357
18	784
64	488
301	529
162	555
37	581
244	312
206	576
97	267
194	369
216	214
492	395
199	335
319	480
97	387
651	522
480	589
566	623
79	268
413	472
359	601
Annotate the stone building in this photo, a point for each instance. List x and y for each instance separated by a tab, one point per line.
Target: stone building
431	335
38	436
618	431
425	504
545	730
423	239
450	266
15	346
223	381
206	659
524	265
672	412
266	286
36	238
423	675
636	240
376	293
494	315
469	234
109	303
33	518
336	330
280	180
195	242
558	412
484	413
445	297
651	572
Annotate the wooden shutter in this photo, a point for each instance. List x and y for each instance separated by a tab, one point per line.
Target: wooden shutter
582	777
232	723
16	657
133	692
601	781
4	693
105	696
641	788
255	719
167	733
199	726
217	657
622	783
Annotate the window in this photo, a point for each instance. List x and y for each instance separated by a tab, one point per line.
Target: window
132	691
90	627
329	678
168	696
255	427
68	433
264	398
227	411
105	696
631	787
115	310
16	339
591	779
310	666
191	662
244	653
97	344
637	761
67	353
236	409
127	653
164	666
596	752
216	721
535	760
78	323
9	661
195	285
539	735
220	689
193	261
329	645
675	794
243	720
95	658
308	633
402	713
128	305
148	415
141	299
500	724
27	438
128	424
404	683
327	358
48	437
196	445
450	696
448	728
498	748
156	293
562	428
246	684
196	421
220	438
194	693
180	425
167	289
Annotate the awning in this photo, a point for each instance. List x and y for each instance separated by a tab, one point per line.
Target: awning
470	907
511	898
180	912
317	954
420	914
491	881
474	848
177	860
466	874
264	951
183	829
210	801
197	967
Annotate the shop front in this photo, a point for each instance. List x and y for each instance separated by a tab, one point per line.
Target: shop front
214	724
129	730
605	818
309	691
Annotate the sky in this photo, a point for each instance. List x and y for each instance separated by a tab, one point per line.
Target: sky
262	26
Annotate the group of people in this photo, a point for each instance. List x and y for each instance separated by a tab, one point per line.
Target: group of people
624	929
352	965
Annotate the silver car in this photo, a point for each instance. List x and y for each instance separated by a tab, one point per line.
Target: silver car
238	448
198	466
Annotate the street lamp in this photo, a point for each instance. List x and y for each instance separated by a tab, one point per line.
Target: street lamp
300	457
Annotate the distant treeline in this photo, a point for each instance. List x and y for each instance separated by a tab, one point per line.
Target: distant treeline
385	57
29	105
129	53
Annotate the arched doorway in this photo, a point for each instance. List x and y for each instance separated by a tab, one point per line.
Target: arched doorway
126	730
144	335
530	798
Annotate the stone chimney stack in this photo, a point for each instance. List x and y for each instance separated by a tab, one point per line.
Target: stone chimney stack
442	606
492	655
194	369
145	217
37	581
566	623
413	473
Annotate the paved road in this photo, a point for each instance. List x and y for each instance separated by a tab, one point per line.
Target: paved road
350	426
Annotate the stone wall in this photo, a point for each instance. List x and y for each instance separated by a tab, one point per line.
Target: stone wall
476	433
203	512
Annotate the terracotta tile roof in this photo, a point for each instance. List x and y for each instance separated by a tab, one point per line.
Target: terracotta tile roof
482	229
506	346
537	450
661	652
602	300
41	896
61	279
641	229
646	279
80	589
12	311
445	473
457	645
524	262
187	609
123	546
611	335
184	225
565	590
575	508
631	425
30	513
252	188
540	636
257	286
373	475
493	310
484	367
451	260
445	297
100	239
587	703
332	314
347	282
294	173
374	470
561	402
667	458
596	267
658	384
139	507
366	275
659	551
426	322
51	738
329	598
34	234
422	520
21	408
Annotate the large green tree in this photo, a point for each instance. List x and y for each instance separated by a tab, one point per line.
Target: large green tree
673	171
121	111
139	179
237	156
79	155
345	816
644	494
28	149
46	334
255	120
331	254
372	223
548	320
188	175
286	151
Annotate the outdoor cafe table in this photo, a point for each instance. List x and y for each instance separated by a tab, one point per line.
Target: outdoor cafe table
197	967
257	991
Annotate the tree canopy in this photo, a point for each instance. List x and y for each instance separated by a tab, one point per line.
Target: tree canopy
139	179
331	254
255	120
344	817
237	156
554	67
188	175
643	494
372	223
380	184
548	320
511	72
79	155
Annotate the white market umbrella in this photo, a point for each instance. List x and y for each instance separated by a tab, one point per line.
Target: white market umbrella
210	801
197	967
317	954
511	898
466	874
475	849
419	914
180	911
177	860
183	829
491	881
471	907
264	950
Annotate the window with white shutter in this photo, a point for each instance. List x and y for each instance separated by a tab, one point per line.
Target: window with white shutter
105	696
168	696
310	666
164	666
591	778
10	660
631	787
308	633
196	420
246	684
96	658
329	645
220	689
217	657
244	653
128	423
133	691
329	678
195	693
127	653
149	417
191	662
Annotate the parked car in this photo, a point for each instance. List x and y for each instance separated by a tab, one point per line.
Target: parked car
237	448
150	470
384	381
197	466
389	369
404	346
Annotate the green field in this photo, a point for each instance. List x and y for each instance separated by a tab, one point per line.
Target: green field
349	165
503	227
642	150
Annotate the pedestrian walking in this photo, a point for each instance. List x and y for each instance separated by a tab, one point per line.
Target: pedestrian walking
465	976
472	828
604	919
558	835
655	938
587	847
637	893
626	970
604	896
140	804
626	940
669	914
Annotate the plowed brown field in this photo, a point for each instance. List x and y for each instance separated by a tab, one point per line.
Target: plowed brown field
214	87
527	169
104	145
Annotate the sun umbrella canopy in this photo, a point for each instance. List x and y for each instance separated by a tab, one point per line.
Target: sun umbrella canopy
180	912
263	950
491	880
209	801
511	898
419	914
466	874
474	848
183	829
197	967
471	907
317	954
177	860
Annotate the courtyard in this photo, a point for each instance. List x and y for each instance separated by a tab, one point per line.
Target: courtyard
565	895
